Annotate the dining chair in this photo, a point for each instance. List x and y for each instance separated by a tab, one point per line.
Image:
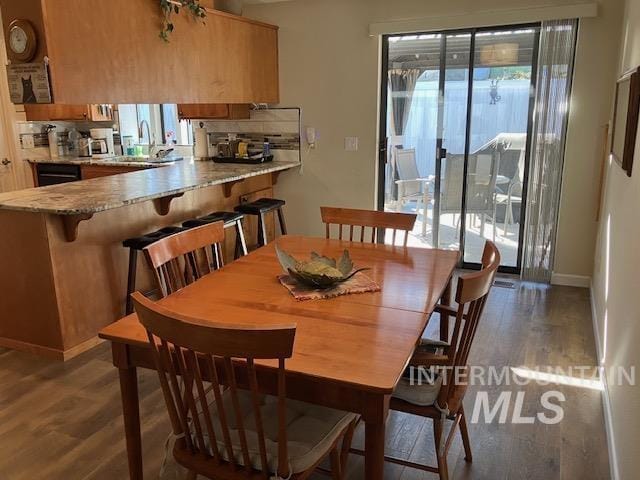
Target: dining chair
440	398
224	426
411	185
374	220
182	258
480	188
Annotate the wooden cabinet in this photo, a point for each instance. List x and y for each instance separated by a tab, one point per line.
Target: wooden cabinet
96	171
219	111
223	59
61	112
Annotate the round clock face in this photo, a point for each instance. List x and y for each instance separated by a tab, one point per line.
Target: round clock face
22	41
18	40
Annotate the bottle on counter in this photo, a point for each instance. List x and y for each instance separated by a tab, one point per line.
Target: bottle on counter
129	147
52	136
72	141
266	148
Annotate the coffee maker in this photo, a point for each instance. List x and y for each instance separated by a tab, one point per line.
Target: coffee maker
102	145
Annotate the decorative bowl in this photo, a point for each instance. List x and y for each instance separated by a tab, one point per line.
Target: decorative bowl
319	271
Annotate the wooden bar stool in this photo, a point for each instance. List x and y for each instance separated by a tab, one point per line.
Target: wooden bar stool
231	220
135	245
261	207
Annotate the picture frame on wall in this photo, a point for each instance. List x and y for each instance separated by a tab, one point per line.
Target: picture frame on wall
625	119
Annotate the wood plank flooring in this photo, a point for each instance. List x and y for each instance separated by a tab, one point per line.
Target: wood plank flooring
63	421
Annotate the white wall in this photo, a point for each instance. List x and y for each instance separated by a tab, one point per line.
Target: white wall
616	281
329	66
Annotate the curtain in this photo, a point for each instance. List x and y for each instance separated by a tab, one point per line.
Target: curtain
402	83
553	89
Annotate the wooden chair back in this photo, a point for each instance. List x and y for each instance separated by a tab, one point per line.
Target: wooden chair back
181	259
199	351
472	291
363	219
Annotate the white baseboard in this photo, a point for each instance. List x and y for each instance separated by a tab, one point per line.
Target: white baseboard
570	280
608	420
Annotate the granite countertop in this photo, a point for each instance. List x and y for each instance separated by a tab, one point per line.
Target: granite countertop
117	161
105	193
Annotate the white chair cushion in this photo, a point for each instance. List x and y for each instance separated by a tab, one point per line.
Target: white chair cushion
430	345
311	430
423	394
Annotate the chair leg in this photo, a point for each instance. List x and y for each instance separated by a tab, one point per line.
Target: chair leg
438	426
336	467
131	279
425	202
283	225
346	444
241	244
464	432
262	230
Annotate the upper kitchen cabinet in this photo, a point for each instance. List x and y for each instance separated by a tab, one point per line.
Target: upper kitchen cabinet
224	111
110	52
54	111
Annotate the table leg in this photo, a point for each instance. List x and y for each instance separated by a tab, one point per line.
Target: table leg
131	412
375	419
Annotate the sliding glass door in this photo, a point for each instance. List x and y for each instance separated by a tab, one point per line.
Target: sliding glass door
455	130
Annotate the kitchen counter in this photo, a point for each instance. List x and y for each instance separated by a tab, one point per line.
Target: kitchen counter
106	193
65	269
118	161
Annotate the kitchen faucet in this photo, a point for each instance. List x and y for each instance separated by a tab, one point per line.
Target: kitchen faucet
152	143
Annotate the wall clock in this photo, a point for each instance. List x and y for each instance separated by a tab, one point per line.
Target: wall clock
22	41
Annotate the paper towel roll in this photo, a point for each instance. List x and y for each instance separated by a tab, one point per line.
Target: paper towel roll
201	144
53	143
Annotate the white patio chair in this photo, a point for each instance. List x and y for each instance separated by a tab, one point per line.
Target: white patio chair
411	186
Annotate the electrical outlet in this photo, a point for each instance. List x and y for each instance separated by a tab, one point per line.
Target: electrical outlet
351	144
28	141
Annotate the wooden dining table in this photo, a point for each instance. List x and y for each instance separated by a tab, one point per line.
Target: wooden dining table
349	351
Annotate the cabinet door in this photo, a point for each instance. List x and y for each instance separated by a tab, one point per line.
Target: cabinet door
250	222
219	111
53	111
37	112
69	112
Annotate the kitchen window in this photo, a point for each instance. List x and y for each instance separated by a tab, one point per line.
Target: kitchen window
164	125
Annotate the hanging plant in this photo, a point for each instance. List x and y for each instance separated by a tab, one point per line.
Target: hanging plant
169	7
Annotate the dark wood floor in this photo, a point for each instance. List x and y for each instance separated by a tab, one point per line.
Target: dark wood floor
63	421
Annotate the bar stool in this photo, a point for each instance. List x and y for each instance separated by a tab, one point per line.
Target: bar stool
135	245
231	220
259	208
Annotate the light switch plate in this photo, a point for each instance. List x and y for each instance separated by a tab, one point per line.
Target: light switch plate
28	141
351	144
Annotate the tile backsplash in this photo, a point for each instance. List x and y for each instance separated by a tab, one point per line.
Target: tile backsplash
281	128
40	138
